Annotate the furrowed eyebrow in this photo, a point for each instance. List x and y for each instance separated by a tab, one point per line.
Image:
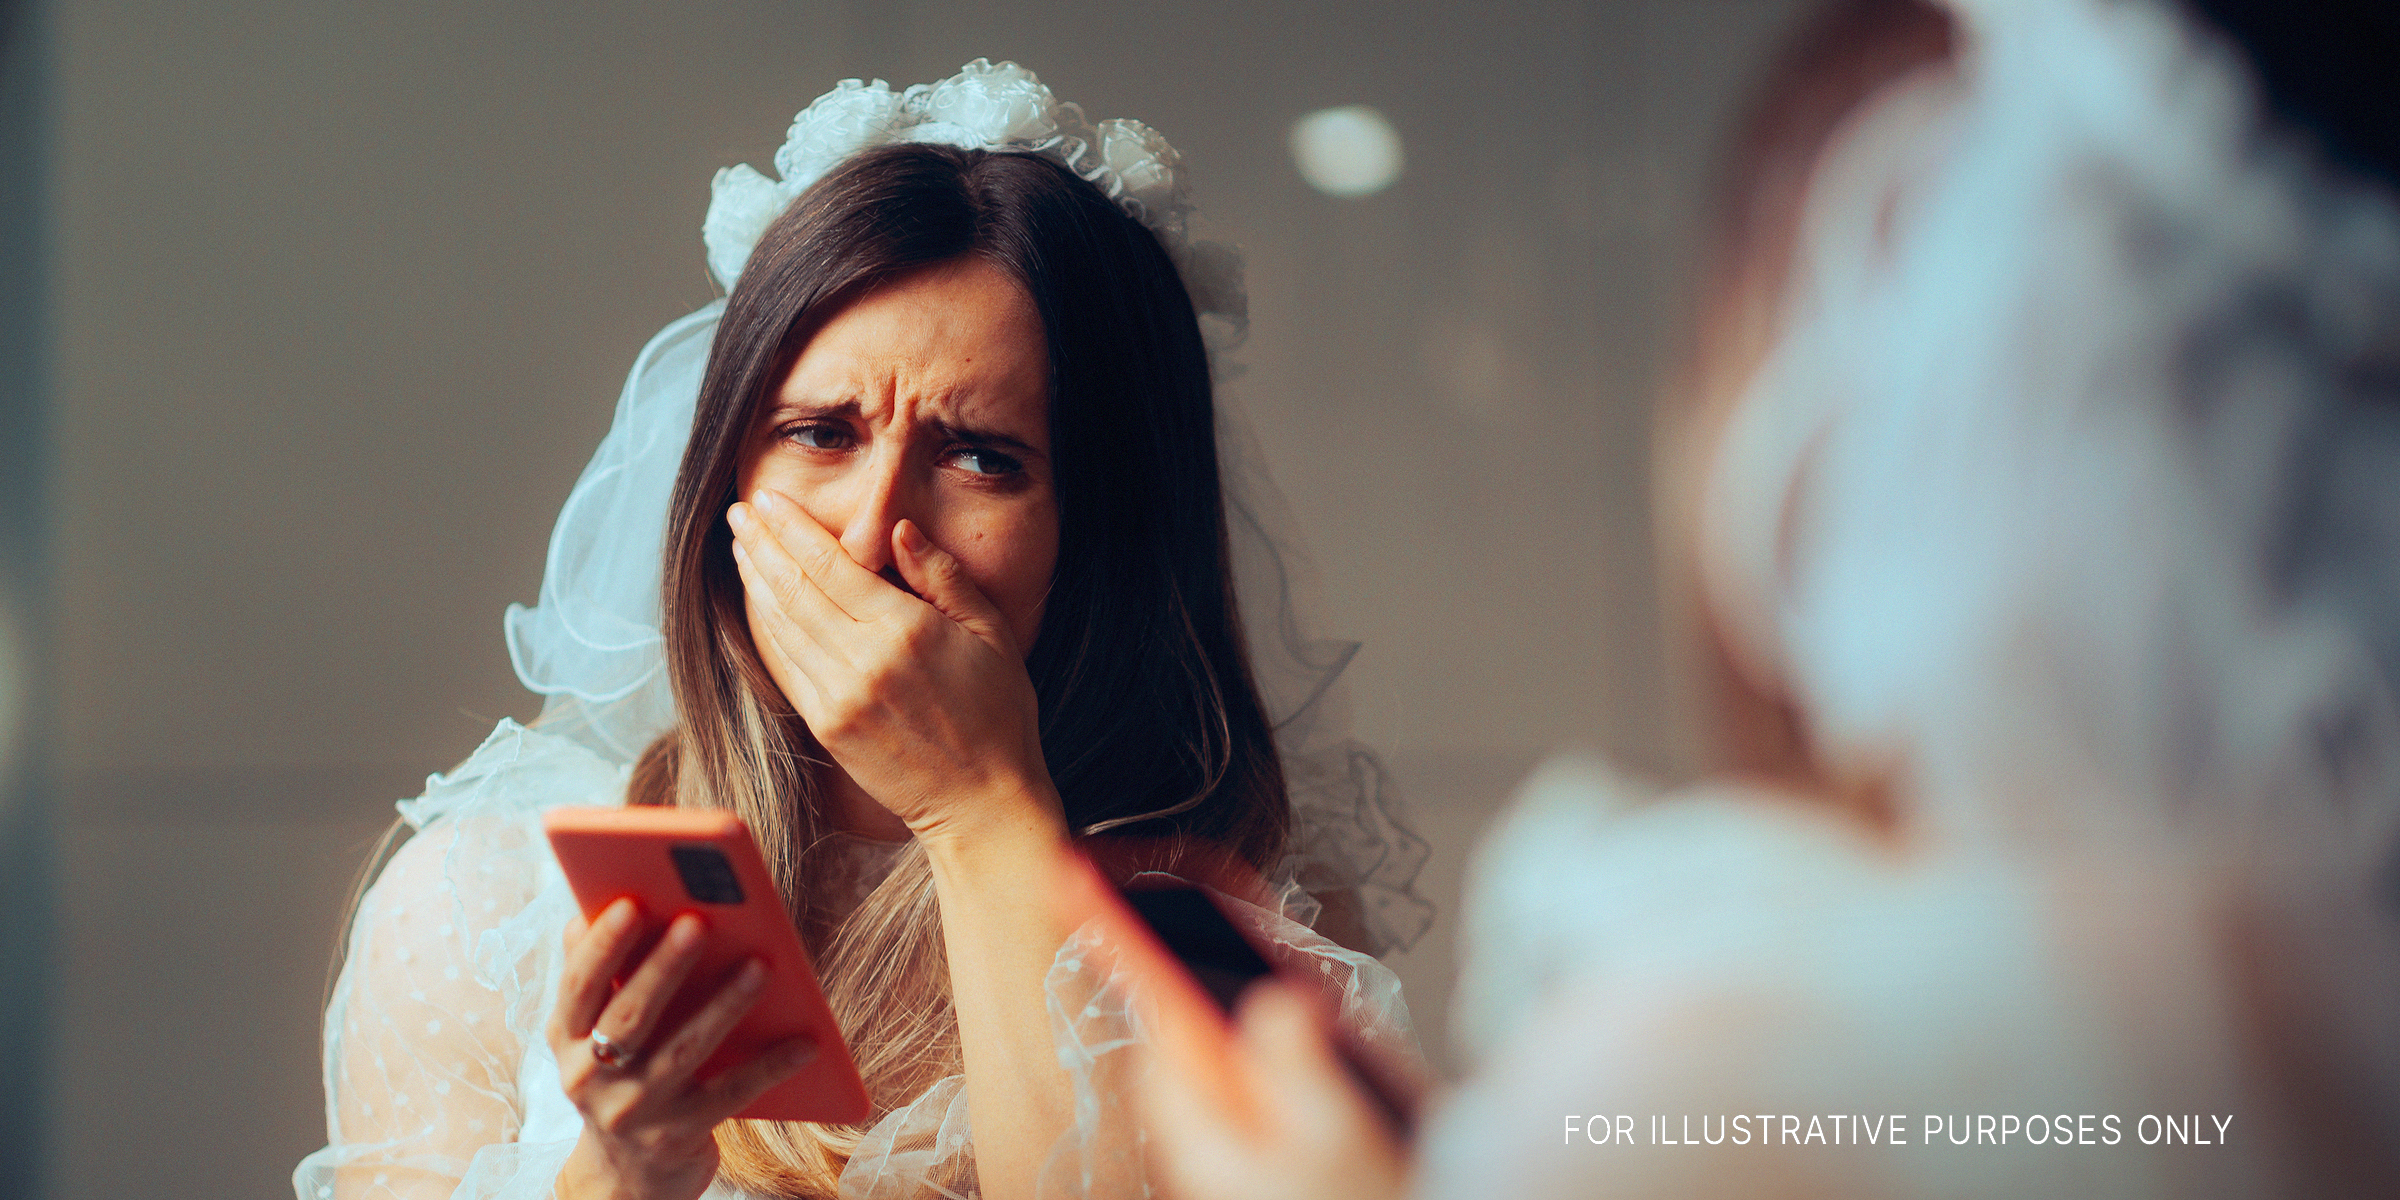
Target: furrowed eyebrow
814	408
985	437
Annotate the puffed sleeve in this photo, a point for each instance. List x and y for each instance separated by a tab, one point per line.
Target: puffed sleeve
420	1061
437	1082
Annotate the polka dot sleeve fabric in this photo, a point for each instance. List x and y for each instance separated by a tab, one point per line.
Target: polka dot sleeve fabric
438	1083
421	1064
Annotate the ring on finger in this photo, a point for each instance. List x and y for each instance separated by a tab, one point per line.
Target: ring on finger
610	1052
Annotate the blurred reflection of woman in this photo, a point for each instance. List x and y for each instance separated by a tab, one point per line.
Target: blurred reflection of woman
2039	479
955	570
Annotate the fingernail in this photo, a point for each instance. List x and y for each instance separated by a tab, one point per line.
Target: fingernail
753	974
738	516
764	499
912	537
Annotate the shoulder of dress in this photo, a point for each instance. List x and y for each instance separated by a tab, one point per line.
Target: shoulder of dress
519	772
478	868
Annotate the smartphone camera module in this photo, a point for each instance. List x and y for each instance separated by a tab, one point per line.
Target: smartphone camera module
707	877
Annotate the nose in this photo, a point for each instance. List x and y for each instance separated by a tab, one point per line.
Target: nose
882	495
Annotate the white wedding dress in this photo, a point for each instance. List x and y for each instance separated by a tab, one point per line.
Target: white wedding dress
440	1084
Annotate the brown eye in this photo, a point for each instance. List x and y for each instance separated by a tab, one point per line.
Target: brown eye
819	437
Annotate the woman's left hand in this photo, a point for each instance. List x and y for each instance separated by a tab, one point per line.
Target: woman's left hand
923	699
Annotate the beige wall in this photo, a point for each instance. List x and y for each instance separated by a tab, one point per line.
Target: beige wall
344	292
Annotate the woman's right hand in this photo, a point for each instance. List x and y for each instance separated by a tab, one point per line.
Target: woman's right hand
648	1122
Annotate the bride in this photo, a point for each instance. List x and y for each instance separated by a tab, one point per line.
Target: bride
919	552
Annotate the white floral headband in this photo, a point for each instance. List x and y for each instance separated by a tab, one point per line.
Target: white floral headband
983	107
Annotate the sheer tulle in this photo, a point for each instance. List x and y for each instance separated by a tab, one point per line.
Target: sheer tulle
439	1083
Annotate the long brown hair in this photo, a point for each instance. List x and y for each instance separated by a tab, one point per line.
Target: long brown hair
1150	722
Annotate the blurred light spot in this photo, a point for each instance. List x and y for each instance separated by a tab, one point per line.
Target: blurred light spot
1348	151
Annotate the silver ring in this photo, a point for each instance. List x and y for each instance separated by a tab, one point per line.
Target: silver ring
609	1052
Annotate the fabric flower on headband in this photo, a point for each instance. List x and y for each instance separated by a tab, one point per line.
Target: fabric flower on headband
983	107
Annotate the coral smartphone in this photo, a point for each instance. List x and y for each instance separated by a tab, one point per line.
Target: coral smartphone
1192	963
677	860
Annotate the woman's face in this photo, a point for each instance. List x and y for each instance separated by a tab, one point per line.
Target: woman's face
926	399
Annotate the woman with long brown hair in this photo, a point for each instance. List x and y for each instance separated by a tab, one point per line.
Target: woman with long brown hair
942	582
